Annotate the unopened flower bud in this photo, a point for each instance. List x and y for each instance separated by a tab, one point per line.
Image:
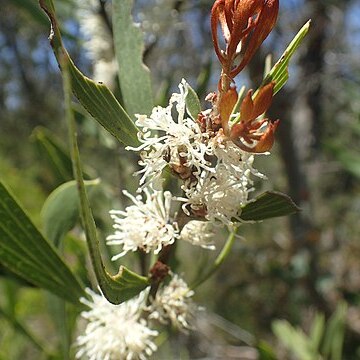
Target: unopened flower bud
245	24
249	134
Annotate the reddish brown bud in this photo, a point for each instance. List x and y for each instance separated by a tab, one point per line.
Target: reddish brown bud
245	24
247	108
263	99
250	109
262	25
267	139
227	103
217	15
248	130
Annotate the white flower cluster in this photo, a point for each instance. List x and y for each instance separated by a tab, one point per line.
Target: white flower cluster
169	142
173	304
120	332
216	178
216	172
224	188
115	332
199	233
98	41
144	225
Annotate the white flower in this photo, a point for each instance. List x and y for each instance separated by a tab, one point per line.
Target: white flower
180	142
220	193
173	304
144	225
217	173
198	233
115	332
237	161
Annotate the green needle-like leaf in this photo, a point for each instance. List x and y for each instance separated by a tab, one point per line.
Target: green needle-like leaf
134	76
96	98
279	73
61	210
268	205
126	284
24	251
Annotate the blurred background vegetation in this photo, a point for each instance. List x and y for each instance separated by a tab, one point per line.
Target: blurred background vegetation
303	270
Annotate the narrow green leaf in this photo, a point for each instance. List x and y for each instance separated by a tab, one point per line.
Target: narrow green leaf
268	205
126	284
334	335
30	6
96	98
61	210
339	336
317	332
54	152
294	340
279	72
193	105
24	251
50	148
134	76
33	10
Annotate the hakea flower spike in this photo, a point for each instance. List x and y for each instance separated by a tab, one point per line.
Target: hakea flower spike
252	134
173	304
245	24
115	332
144	225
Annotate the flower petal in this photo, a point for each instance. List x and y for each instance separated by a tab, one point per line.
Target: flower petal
263	100
227	103
267	140
263	24
247	108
